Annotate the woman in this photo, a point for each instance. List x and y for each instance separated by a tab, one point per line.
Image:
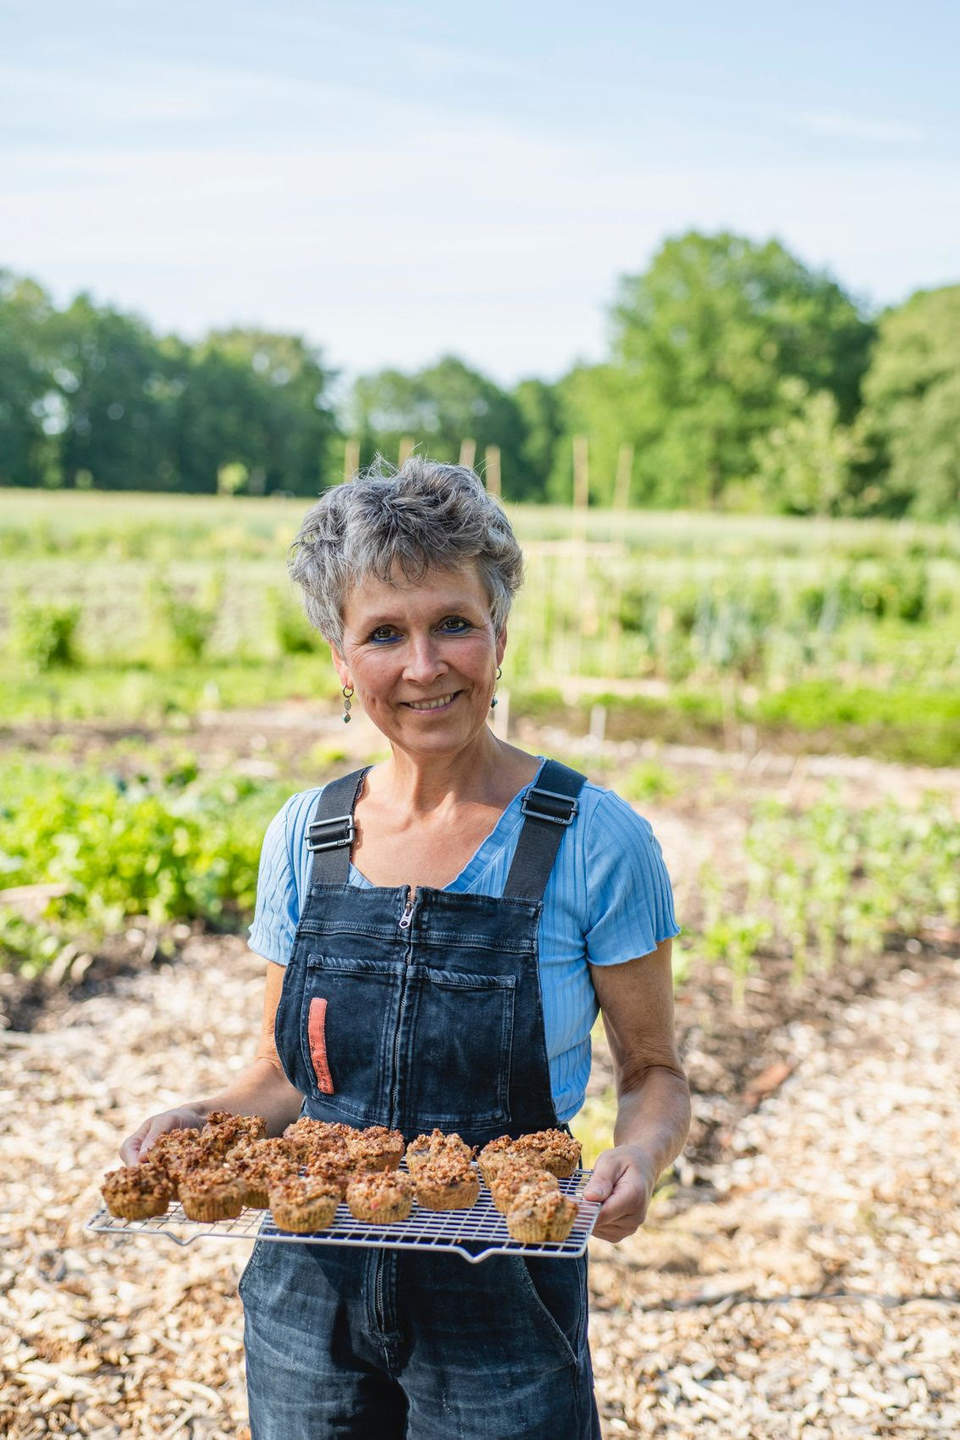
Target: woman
440	930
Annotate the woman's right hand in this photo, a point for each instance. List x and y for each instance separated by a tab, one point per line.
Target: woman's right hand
137	1145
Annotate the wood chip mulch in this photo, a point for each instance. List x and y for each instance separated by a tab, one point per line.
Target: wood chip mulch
802	1279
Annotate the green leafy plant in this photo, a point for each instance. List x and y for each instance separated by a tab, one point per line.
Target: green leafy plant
44	633
183	623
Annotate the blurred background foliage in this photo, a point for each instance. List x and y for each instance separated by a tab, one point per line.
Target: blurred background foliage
738	378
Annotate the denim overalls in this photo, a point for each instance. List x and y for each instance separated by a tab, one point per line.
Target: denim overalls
415	1011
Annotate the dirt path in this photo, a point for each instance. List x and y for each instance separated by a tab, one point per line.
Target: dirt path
814	1295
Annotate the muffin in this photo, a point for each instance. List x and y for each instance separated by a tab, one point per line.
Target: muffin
274	1149
538	1218
375	1148
332	1151
213	1193
447	1182
137	1192
177	1152
493	1154
381	1198
511	1178
258	1163
223	1130
306	1135
553	1150
303	1203
333	1166
434	1146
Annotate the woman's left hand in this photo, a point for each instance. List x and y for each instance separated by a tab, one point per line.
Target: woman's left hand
623	1180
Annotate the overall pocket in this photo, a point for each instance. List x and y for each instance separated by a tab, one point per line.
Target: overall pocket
460	1046
347	1020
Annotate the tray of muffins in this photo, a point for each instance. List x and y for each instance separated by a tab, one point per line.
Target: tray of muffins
332	1184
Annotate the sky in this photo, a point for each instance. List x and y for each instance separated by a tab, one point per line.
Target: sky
400	181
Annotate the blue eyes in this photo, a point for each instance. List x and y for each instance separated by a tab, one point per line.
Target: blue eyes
452	625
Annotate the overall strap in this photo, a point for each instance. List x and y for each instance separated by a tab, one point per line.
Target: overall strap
330	832
548	807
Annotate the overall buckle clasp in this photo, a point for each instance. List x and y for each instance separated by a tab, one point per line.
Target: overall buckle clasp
330	834
550	805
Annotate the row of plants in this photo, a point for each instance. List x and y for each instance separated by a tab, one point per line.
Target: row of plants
178	626
824	886
599	617
165	845
833	885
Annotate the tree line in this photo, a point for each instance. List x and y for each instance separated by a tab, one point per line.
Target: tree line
737	377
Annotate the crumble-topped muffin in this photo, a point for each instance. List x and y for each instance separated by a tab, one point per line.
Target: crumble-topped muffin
213	1193
274	1149
546	1217
177	1152
305	1135
511	1178
553	1150
137	1192
375	1148
447	1182
256	1163
493	1154
435	1145
332	1152
169	1143
381	1197
333	1166
223	1129
303	1203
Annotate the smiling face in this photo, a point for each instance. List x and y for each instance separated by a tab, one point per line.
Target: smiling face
422	657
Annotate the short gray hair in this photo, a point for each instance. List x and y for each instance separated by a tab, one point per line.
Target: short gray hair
422	516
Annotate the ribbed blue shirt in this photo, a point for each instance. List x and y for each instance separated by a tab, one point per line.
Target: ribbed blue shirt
608	900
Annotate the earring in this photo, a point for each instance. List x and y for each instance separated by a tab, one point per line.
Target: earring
347	693
493	701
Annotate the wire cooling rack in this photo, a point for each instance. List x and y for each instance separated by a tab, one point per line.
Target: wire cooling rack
475	1233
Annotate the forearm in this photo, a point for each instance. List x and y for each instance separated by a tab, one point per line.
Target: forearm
653	1115
261	1089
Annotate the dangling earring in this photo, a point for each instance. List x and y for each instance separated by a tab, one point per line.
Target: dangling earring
493	701
347	693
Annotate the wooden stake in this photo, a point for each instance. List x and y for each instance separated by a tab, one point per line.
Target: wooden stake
468	453
491	465
613	623
621	489
407	443
351	459
581	473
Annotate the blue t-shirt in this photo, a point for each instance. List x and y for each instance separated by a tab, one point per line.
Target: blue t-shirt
608	900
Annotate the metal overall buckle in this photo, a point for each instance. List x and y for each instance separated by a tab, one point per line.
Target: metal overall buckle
320	838
550	805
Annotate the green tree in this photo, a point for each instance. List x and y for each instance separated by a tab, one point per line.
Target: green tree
109	374
439	407
541	413
595	401
805	463
707	333
31	413
911	412
260	400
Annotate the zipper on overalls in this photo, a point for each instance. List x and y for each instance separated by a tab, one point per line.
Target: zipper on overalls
404	925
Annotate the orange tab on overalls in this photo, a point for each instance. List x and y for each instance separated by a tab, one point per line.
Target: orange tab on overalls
316	1034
